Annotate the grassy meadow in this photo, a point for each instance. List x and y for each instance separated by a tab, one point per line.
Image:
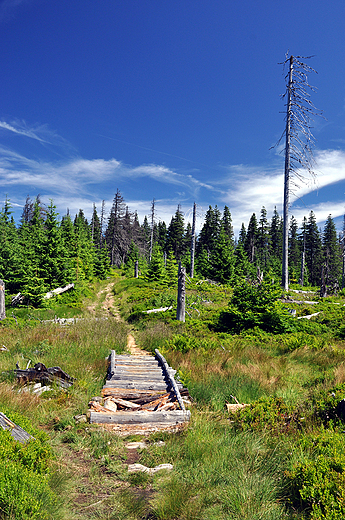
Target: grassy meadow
280	457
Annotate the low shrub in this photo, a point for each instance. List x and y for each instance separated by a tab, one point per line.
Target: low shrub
317	484
24	475
267	413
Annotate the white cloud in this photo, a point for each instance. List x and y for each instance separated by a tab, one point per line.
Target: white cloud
246	189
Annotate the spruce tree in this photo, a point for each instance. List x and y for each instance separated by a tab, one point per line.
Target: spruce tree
171	270
52	251
250	244
175	239
276	236
114	234
162	235
95	228
242	236
222	259
156	269
263	239
84	248
227	224
331	253
313	250
9	249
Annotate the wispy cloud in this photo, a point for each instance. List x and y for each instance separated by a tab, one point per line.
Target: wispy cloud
40	133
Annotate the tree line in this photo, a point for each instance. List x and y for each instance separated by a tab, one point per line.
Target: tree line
43	251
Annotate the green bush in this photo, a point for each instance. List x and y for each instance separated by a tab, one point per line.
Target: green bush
325	405
24	494
267	413
256	306
24	472
318	483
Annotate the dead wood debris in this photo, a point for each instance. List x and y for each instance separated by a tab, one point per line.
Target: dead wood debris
41	374
148	403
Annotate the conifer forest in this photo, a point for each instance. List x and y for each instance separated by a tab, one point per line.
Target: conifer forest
45	251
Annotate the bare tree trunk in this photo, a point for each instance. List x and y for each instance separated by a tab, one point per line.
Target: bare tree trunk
323	288
152	224
285	270
181	294
102	220
2	301
192	248
93	221
136	269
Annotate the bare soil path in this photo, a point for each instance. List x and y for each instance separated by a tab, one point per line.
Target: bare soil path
105	303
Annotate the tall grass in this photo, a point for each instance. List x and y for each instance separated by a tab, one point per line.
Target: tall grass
218	474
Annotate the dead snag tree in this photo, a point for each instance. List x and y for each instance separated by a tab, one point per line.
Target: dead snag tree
298	141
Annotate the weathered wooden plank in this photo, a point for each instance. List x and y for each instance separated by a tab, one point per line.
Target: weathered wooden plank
172	381
141	417
135	366
112	363
124	403
138	385
125	393
146	370
123	430
138	377
16	431
126	357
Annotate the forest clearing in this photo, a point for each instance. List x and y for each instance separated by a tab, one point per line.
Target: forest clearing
280	457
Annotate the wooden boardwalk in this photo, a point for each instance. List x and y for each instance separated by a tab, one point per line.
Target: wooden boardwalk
145	395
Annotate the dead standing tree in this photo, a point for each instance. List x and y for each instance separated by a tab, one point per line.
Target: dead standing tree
298	141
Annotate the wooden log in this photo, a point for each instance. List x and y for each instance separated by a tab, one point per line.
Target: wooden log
167	406
99	408
112	363
139	363
141	417
181	293
136	385
157	402
138	371
59	290
143	429
144	357
124	393
159	378
123	403
171	379
16	431
148	400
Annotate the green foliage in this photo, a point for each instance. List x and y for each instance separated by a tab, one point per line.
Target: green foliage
317	483
24	474
267	413
256	306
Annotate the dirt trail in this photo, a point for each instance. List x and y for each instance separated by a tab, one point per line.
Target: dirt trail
108	308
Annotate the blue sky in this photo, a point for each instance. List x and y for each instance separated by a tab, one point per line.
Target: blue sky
175	100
